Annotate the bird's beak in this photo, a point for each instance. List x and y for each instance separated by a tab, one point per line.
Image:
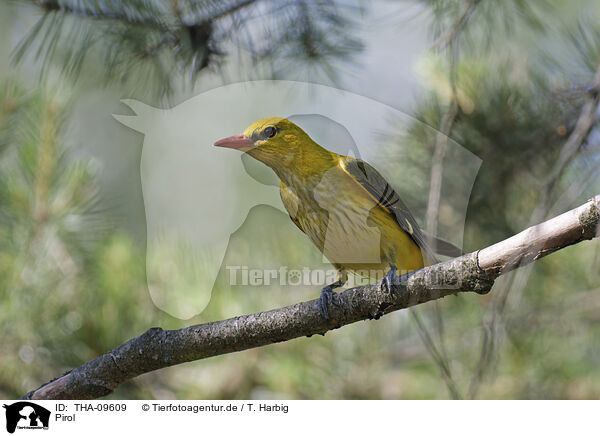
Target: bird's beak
239	142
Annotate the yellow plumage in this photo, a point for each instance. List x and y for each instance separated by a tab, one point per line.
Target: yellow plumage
342	204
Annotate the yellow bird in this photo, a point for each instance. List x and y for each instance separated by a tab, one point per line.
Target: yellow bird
346	208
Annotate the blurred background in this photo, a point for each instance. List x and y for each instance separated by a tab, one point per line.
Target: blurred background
516	83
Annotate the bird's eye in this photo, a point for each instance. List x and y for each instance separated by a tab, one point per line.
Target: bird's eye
270	132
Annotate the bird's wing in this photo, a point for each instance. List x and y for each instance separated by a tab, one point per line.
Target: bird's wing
384	194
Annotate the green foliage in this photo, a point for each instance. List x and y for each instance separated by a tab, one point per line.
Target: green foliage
170	43
63	269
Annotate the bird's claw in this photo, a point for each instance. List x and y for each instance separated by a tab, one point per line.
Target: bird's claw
391	279
326	297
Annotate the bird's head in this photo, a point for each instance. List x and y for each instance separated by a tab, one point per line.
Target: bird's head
275	141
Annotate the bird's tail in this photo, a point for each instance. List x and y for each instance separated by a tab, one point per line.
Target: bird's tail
442	247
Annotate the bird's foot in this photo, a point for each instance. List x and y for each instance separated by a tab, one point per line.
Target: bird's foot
392	280
327	296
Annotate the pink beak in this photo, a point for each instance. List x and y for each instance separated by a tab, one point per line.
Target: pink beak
239	142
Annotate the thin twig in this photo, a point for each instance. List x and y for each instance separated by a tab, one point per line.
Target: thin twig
433	206
452	33
442	361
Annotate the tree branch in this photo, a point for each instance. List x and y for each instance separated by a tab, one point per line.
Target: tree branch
450	35
474	272
128	17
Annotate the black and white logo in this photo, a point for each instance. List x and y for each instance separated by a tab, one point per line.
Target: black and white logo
26	415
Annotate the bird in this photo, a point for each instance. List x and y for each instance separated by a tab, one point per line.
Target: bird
344	205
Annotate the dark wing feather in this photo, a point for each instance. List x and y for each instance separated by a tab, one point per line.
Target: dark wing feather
385	195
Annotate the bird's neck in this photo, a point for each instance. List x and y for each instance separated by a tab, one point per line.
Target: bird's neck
306	167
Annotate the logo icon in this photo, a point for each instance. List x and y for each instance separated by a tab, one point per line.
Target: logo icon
26	415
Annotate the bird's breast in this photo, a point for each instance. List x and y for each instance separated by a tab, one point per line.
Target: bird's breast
350	228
